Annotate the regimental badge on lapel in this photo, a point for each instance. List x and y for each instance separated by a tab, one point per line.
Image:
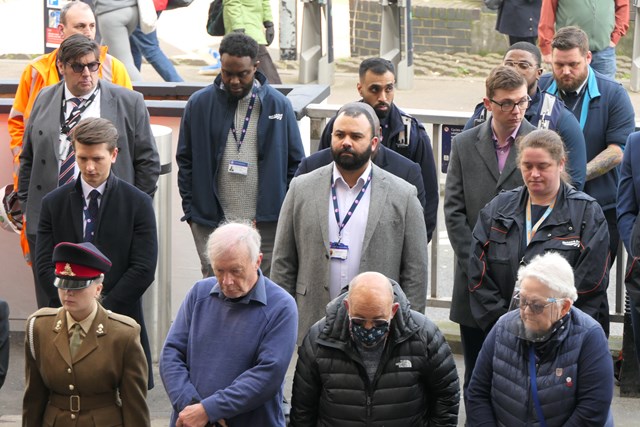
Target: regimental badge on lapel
100	330
58	326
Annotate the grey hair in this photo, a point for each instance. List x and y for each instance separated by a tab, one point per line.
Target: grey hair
231	234
553	270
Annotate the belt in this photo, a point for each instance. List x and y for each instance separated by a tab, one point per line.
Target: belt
76	403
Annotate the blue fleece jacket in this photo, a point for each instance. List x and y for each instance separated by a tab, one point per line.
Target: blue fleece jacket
606	118
231	356
203	137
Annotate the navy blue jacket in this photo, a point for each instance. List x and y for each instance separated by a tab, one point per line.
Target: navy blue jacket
4	340
563	122
387	159
607	117
574	376
519	18
418	150
203	136
576	229
629	190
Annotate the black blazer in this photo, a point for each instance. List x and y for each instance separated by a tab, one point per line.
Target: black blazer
126	233
385	158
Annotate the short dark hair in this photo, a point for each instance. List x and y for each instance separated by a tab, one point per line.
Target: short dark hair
568	38
69	5
505	78
76	46
355	109
377	66
527	47
240	45
94	131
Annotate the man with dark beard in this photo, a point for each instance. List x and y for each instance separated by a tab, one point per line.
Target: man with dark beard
238	149
604	110
348	217
400	132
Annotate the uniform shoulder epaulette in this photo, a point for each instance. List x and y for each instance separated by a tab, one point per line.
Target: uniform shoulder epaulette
46	311
122	318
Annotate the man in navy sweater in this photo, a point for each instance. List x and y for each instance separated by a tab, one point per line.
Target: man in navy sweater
227	352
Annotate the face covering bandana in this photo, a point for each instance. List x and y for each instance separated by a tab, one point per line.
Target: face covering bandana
368	337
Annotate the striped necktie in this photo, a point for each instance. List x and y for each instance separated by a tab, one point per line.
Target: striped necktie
67	167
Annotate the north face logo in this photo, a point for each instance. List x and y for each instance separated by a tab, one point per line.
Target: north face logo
574	243
276	116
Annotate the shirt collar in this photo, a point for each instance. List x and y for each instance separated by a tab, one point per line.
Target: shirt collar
337	176
86	188
510	138
584	83
85	324
258	293
68	95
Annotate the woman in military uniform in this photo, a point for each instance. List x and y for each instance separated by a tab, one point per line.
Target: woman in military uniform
84	365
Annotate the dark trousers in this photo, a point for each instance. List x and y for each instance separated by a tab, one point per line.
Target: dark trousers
471	339
201	235
267	67
614	236
42	299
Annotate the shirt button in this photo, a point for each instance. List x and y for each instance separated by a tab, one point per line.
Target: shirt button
71	387
73	416
68	370
549	235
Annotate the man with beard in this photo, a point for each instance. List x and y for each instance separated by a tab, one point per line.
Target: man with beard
400	132
238	149
346	218
604	111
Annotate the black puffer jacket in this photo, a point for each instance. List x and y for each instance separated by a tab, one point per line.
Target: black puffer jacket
416	383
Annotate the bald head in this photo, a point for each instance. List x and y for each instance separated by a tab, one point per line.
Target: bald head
371	297
77	18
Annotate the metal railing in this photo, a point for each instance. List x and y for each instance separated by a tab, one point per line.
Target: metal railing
434	121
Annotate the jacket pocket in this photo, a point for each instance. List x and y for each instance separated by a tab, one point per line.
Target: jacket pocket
109	416
50	415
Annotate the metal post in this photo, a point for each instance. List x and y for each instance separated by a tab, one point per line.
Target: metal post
391	40
635	63
314	66
288	30
157	300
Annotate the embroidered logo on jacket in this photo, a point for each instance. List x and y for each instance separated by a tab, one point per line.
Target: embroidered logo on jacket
276	116
574	243
404	364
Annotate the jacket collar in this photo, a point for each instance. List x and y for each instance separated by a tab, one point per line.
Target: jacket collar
99	328
592	91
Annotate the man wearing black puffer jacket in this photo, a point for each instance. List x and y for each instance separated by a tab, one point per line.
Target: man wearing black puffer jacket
373	361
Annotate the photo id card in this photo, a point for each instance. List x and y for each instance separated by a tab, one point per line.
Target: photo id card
238	167
338	250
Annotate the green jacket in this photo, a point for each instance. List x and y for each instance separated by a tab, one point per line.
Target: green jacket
595	17
248	15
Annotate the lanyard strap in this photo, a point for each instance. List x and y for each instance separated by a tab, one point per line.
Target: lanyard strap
245	123
534	386
353	207
531	231
76	112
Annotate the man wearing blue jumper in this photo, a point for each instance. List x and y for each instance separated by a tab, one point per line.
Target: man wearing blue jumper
227	352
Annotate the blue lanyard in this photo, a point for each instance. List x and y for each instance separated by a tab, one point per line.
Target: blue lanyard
531	231
245	123
534	386
353	207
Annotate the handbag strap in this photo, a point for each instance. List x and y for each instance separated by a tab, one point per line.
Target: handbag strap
534	386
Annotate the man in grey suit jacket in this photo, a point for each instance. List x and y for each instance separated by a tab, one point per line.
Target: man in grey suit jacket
482	163
46	146
346	218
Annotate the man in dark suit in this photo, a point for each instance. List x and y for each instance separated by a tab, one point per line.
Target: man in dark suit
482	163
116	217
47	150
383	157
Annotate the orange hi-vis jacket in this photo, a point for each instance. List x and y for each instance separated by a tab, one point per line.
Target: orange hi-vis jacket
38	74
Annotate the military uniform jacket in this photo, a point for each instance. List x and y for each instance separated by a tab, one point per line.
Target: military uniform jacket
83	392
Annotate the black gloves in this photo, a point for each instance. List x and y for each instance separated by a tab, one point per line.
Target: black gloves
269	31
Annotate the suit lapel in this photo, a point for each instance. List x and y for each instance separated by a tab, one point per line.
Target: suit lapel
378	199
77	210
61	341
323	185
485	148
510	166
52	121
108	190
108	107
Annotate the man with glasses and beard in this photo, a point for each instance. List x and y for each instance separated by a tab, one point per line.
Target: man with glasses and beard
374	361
348	217
238	149
400	132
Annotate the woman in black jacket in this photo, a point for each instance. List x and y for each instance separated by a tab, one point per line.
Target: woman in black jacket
546	214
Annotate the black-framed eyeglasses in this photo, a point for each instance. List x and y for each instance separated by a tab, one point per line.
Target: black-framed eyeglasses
377	323
523	65
536	308
508	105
79	68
